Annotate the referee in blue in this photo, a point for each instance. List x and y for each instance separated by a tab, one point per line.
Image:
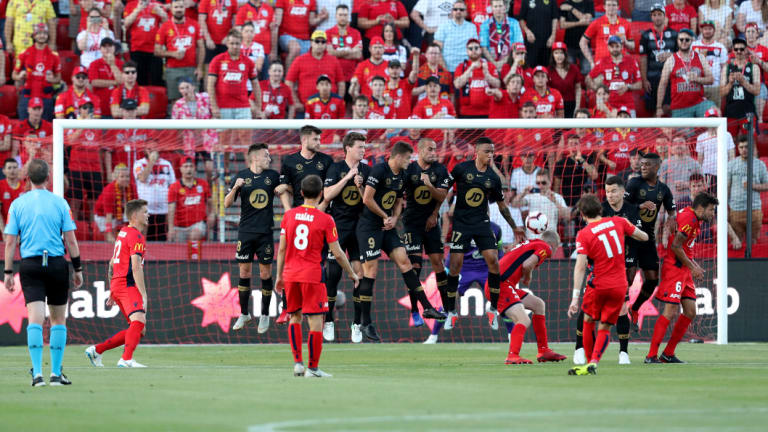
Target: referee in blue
37	220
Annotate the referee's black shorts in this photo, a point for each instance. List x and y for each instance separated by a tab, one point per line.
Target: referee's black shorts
39	282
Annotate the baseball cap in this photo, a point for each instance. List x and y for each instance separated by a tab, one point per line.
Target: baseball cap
687	31
658	7
41	27
79	70
615	40
519	46
318	34
377	40
394	63
186	159
107	42
752	24
473	40
559	46
712	112
35	102
739	39
323	77
540	68
707	23
624	109
129	104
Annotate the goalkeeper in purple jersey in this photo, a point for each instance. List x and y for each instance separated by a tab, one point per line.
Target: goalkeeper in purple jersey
474	271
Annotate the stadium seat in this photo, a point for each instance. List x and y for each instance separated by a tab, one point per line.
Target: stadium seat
158	102
63	41
9	99
69	61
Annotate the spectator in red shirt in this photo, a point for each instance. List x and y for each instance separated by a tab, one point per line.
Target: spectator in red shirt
215	20
295	20
368	69
142	19
10	188
68	101
380	107
515	65
565	77
344	42
104	75
434	67
374	14
87	162
112	203
360	107
324	104
435	107
178	41
276	98
506	103
548	101
190	205
399	90
39	68
129	90
600	30
472	77
681	15
7	149
265	27
227	77
620	73
33	133
303	73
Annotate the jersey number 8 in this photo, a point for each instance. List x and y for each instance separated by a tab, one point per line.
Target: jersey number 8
301	241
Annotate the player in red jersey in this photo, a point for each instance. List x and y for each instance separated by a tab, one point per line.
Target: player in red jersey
128	288
304	231
601	243
10	188
516	266
677	274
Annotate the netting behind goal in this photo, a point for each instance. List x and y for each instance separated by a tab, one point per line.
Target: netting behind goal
192	284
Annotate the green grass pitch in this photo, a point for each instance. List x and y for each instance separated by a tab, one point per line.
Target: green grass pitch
444	387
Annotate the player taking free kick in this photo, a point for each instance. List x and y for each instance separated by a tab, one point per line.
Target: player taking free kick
304	231
127	286
602	243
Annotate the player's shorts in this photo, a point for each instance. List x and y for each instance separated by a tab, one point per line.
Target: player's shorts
39	282
676	283
127	298
462	237
647	255
258	244
371	243
415	239
603	305
348	243
508	296
307	297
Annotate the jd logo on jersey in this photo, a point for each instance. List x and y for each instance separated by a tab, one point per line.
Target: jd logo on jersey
388	200
350	195
258	199
474	197
422	195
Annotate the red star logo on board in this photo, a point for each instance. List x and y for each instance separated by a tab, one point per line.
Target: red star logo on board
430	287
219	302
647	309
13	310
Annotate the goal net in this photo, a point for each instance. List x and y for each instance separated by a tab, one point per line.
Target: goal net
97	165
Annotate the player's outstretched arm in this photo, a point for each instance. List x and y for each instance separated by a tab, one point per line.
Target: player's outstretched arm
280	263
639	235
341	259
578	280
677	247
504	210
138	276
285	192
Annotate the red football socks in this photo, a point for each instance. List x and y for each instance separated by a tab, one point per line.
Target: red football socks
681	326
115	341
588	335
132	338
516	338
540	328
294	339
315	345
659	330
603	338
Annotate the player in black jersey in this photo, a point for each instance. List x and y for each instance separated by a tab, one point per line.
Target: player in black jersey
255	186
616	205
376	231
344	191
426	185
296	166
649	194
476	183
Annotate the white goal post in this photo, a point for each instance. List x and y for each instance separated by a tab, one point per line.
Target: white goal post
721	280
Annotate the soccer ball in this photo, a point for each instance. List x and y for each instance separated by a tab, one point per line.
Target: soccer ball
536	222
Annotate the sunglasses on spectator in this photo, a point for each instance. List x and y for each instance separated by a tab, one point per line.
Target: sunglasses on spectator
459	9
81	76
684	39
319	41
739	49
130	71
542	182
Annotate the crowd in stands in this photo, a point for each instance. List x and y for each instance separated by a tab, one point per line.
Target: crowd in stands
377	59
